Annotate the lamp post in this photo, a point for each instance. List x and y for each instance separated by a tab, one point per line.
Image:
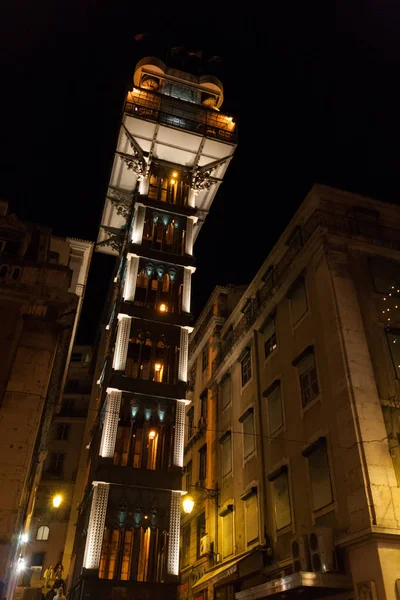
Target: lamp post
211	494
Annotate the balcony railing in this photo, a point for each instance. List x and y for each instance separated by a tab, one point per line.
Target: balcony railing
196	119
335	223
216	310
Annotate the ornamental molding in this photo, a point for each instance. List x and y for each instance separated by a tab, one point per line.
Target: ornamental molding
121	200
116	238
136	162
202	179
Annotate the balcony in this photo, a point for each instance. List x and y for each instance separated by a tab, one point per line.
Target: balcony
182	115
216	310
338	224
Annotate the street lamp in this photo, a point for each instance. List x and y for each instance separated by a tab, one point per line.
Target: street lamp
188	504
57	499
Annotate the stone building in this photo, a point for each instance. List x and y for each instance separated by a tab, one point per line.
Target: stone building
39	308
172	153
304	416
52	528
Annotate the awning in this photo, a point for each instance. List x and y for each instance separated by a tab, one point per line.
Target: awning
225	570
317	585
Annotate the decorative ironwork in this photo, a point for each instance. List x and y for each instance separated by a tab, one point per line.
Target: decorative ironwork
116	238
201	180
121	200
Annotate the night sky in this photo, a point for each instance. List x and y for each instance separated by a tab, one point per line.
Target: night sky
315	93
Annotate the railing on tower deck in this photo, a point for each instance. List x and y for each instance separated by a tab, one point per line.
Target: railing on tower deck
348	226
216	310
184	115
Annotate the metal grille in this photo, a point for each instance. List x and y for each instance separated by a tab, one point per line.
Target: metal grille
183	355
138	224
121	345
131	276
110	426
179	433
187	281
174	534
94	539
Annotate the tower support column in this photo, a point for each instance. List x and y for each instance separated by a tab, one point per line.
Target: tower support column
131	277
189	235
187	285
110	426
122	342
97	519
174	533
138	223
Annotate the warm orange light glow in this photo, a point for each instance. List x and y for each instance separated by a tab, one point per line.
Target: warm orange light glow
174	174
163	307
172	181
157	367
57	500
188	504
152	434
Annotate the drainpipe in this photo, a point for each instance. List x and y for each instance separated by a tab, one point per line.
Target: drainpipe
259	410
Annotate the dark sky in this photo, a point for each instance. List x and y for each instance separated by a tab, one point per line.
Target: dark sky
314	89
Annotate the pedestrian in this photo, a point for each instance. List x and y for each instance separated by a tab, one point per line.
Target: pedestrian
48	576
60	594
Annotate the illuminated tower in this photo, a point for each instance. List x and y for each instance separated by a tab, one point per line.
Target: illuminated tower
173	150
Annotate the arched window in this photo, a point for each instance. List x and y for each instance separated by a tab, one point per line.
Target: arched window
43	533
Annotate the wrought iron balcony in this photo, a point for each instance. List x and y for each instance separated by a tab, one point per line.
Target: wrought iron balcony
339	224
183	115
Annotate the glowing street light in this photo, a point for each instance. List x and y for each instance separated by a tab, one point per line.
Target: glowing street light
157	367
57	500
163	307
21	564
152	434
188	504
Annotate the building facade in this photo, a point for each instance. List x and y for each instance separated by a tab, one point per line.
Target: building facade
173	150
40	307
305	388
53	527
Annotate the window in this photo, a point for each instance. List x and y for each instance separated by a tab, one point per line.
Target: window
189	470
190	416
204	404
247	421
225	390
62	431
227	532
298	300
393	338
251	515
203	463
274	402
56	466
43	533
37	559
185	545
192	378
226	446
318	464
269	333
205	358
281	497
246	367
305	364
385	275
201	530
